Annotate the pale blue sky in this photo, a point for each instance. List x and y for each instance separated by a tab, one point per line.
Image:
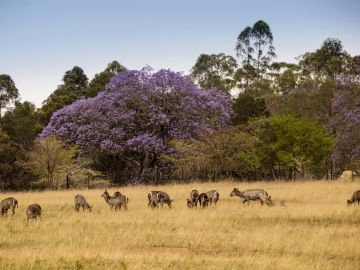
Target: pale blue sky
40	40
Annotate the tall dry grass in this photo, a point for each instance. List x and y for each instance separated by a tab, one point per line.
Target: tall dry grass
316	230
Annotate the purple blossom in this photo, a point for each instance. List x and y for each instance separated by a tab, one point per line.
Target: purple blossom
346	120
138	114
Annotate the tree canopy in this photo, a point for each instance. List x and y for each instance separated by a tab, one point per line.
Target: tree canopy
100	80
248	117
74	86
255	49
214	71
132	122
8	91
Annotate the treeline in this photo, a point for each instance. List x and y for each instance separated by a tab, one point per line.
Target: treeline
247	117
22	122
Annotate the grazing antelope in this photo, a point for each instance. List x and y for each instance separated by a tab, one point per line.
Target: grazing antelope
117	201
254	195
153	200
354	198
8	203
213	196
33	211
189	203
194	197
156	197
203	200
152	197
80	201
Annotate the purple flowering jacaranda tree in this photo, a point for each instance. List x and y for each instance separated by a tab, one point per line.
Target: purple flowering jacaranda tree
346	122
128	126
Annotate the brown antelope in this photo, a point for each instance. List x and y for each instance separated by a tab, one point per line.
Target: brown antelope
213	196
33	211
153	200
80	201
203	200
117	201
189	203
354	198
194	197
8	203
254	195
156	197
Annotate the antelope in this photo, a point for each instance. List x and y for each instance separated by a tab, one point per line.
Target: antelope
189	203
33	212
117	201
194	197
8	203
354	198
80	201
203	200
156	197
253	194
153	200
213	196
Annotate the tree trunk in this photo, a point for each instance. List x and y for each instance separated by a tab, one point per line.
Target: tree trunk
273	173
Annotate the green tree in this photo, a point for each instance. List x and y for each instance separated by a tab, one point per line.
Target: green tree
214	71
263	44
285	76
48	157
22	124
75	80
305	101
101	79
255	47
222	154
245	77
247	107
8	91
286	81
327	62
290	145
9	151
74	86
244	49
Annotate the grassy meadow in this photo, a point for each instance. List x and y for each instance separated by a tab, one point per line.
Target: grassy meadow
315	230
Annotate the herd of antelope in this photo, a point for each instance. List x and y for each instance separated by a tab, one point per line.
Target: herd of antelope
156	198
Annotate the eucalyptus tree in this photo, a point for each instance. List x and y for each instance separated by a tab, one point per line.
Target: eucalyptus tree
255	47
8	91
74	86
329	61
264	49
214	71
100	80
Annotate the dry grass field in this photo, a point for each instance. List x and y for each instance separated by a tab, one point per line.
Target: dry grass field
316	230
